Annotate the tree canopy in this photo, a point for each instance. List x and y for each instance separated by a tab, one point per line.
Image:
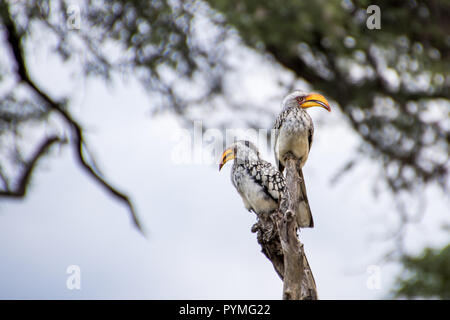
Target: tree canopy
385	81
425	276
391	84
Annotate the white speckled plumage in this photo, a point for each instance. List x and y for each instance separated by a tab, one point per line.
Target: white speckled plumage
294	132
257	181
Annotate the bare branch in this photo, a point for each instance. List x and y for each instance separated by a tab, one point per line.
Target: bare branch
268	235
77	143
269	239
292	248
277	235
21	190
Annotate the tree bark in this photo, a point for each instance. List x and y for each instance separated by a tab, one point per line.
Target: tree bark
277	235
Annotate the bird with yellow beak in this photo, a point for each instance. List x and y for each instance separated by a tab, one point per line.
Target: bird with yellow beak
257	181
294	132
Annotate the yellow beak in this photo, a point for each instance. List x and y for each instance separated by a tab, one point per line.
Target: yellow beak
227	155
315	100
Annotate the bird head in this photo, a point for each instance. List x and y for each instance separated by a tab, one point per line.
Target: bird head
241	150
305	100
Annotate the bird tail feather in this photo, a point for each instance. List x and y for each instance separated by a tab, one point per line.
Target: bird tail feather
304	216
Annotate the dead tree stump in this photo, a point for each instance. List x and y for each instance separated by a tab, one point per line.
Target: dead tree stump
277	235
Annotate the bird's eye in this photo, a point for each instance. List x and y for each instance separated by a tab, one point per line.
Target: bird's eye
300	99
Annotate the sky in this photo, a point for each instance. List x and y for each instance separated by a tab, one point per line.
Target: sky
198	243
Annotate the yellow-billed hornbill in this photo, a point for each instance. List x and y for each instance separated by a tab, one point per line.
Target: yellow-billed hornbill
294	132
257	181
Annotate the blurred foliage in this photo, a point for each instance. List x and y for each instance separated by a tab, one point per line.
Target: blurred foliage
425	276
391	84
152	41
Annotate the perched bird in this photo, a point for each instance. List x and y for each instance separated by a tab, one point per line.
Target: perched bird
294	132
257	181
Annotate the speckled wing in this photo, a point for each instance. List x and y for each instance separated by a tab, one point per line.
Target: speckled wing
279	121
277	126
259	184
269	178
310	136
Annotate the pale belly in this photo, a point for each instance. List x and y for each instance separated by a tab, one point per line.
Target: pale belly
254	197
296	142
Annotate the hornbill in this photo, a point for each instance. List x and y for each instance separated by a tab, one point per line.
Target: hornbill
257	181
294	132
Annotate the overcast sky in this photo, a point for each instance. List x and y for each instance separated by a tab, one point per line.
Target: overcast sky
199	244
